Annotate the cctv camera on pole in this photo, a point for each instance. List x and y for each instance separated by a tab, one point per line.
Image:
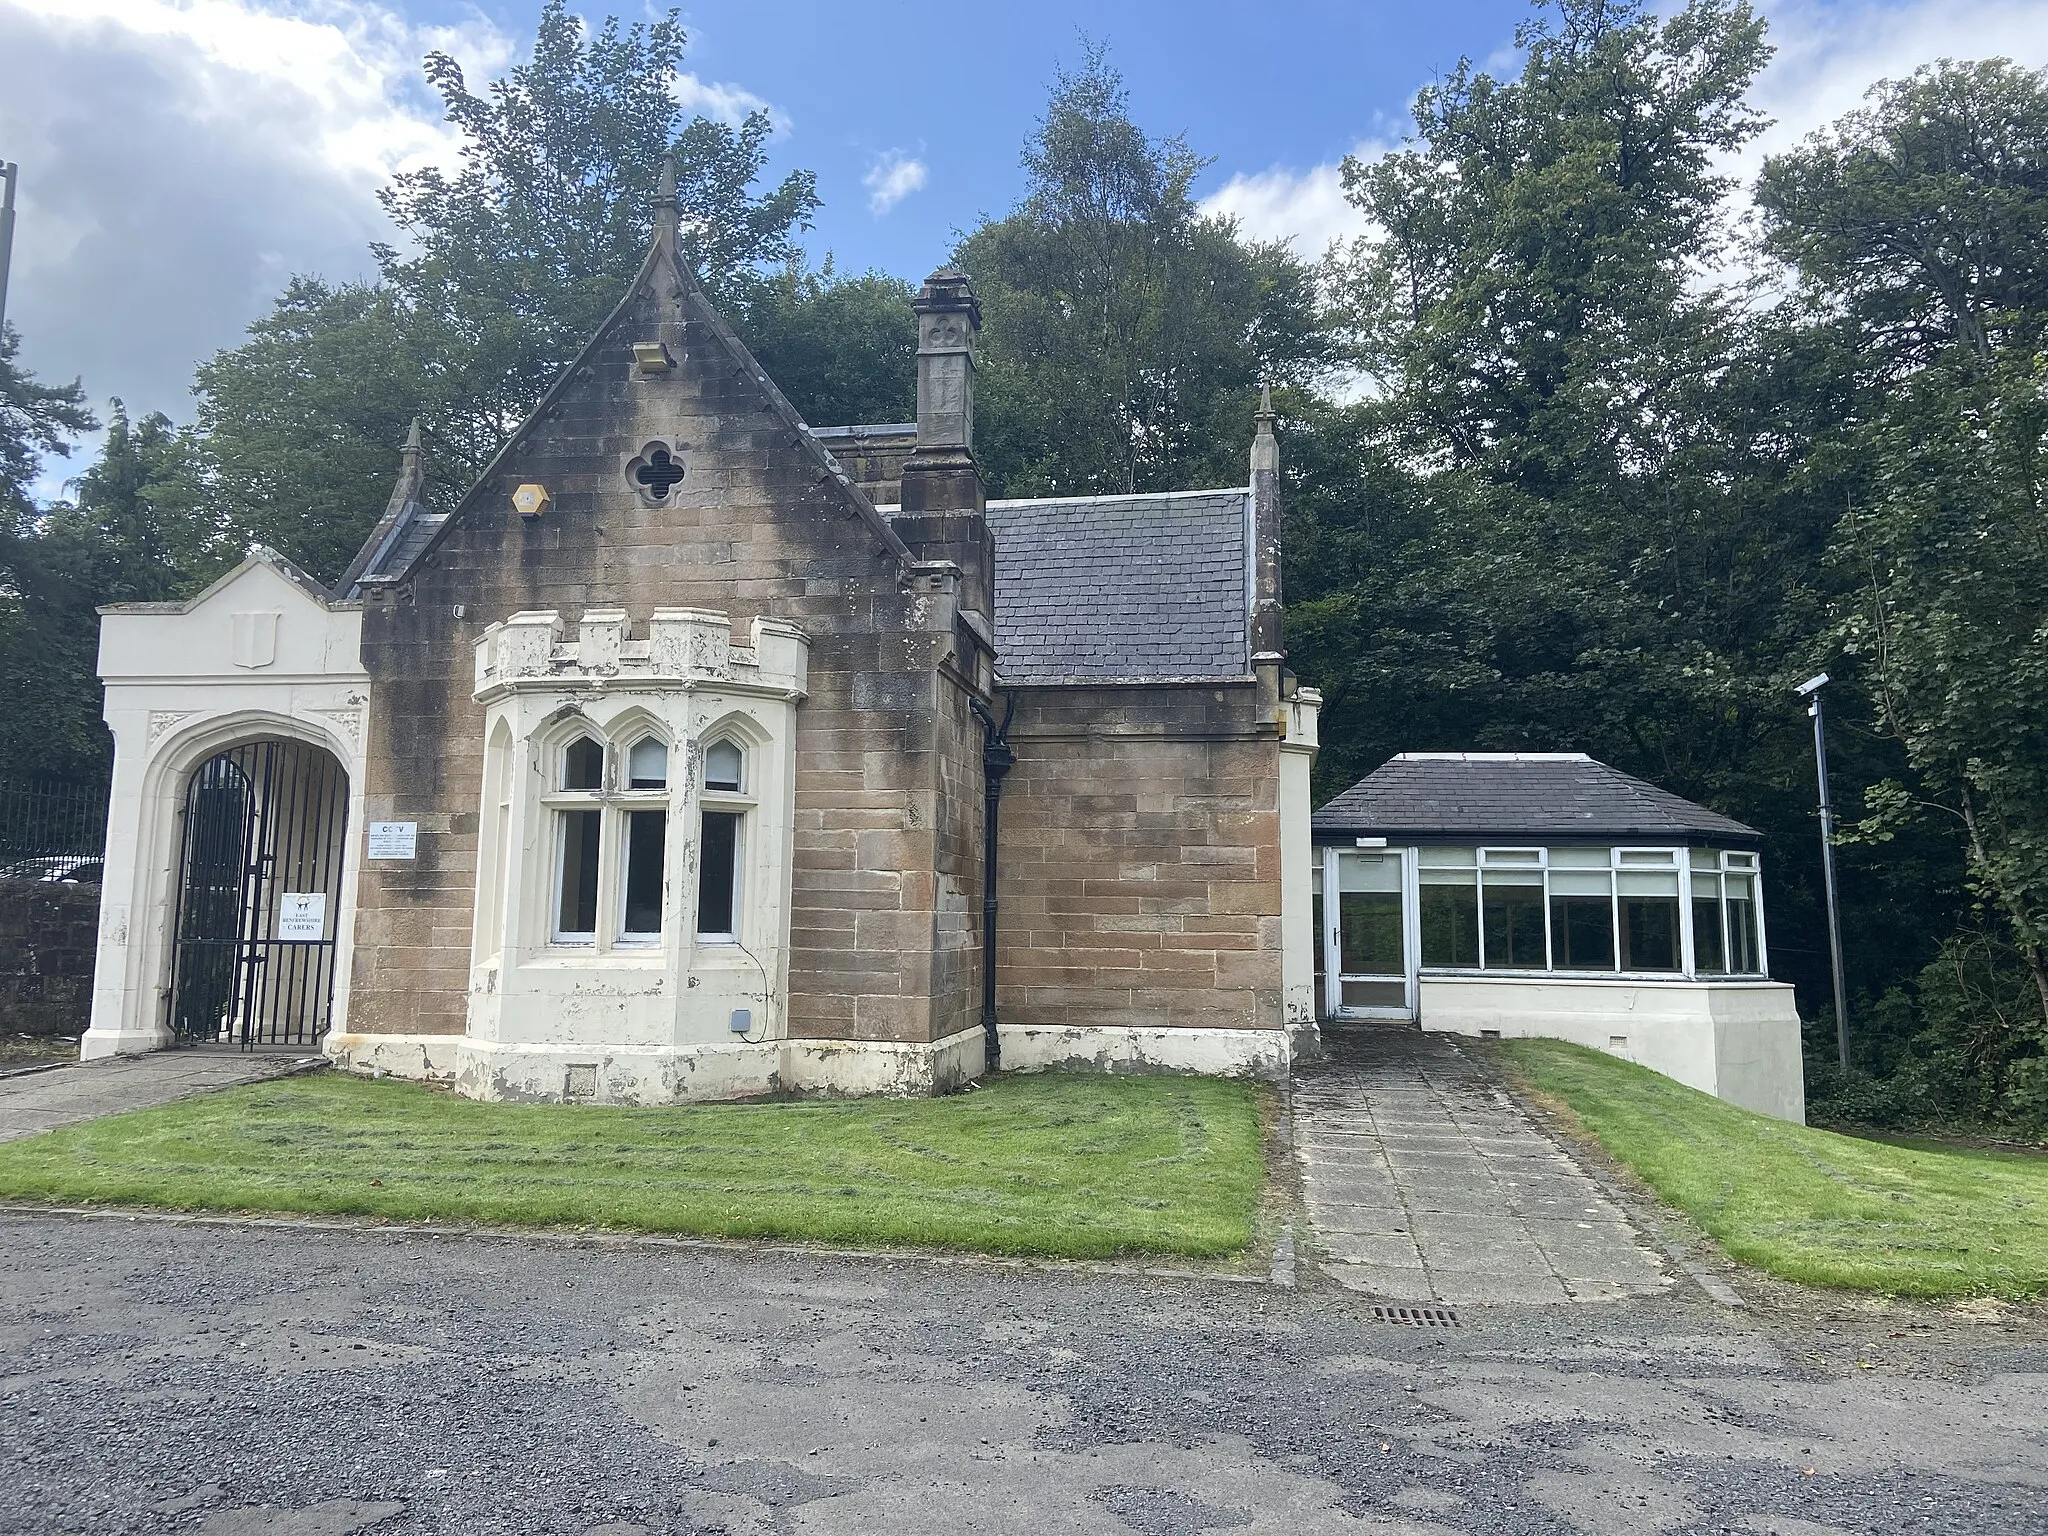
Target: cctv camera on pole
1810	691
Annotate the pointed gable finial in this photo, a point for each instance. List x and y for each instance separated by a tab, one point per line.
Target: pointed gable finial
665	205
1265	447
410	456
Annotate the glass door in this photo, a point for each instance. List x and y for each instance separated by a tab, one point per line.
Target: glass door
1366	941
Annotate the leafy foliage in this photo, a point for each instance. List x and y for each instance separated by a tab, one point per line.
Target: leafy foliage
509	266
1588	505
37	421
1918	222
1126	334
299	428
515	262
843	349
125	538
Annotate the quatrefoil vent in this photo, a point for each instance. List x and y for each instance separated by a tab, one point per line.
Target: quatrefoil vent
655	471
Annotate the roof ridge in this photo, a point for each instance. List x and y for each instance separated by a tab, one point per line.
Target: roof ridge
1118	498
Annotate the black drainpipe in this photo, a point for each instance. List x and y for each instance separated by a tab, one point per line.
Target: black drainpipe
996	760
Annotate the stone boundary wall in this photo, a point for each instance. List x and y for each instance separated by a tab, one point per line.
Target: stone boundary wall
48	933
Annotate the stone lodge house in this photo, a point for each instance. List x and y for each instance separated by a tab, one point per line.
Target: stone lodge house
664	766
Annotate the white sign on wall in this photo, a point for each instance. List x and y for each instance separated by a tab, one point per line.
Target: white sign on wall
302	915
394	839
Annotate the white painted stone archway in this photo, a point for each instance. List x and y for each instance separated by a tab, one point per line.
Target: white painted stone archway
261	653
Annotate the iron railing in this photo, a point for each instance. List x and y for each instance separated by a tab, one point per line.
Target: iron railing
49	820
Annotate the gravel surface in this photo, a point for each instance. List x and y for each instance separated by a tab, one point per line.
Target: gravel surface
226	1380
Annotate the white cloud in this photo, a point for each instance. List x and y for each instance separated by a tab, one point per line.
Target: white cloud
892	178
1305	208
725	102
181	158
1828	55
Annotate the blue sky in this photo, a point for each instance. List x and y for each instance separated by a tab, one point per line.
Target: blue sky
182	158
955	88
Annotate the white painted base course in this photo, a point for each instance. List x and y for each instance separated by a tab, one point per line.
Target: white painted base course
421	1058
1260	1053
96	1044
481	1069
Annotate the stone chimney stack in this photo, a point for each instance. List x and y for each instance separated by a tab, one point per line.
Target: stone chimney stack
944	517
948	319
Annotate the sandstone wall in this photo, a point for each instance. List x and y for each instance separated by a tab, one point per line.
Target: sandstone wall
885	908
1138	875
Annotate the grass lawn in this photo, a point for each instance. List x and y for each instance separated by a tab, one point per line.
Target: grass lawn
1070	1166
1811	1205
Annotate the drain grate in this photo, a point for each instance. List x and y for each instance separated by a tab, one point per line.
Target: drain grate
1417	1317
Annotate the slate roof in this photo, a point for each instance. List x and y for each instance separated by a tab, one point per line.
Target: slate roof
1122	588
394	546
1483	796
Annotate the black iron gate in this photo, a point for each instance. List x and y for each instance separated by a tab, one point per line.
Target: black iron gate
259	892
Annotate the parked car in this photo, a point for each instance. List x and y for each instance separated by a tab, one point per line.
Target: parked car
65	868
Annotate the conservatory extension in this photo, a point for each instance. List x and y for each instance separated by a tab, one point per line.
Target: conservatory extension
1546	894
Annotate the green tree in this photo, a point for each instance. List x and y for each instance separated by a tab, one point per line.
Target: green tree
1588	503
1602	549
1125	333
298	431
843	349
1917	223
37	421
122	539
508	267
512	264
38	686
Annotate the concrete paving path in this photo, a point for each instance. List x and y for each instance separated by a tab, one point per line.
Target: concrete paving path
1425	1182
44	1099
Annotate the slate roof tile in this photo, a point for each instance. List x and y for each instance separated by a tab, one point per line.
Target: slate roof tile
1096	589
1478	796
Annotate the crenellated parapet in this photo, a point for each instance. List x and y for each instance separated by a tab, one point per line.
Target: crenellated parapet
683	649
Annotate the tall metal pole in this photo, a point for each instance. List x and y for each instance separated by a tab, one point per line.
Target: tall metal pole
9	173
1827	864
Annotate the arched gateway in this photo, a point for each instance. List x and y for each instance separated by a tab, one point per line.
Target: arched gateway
263	831
235	819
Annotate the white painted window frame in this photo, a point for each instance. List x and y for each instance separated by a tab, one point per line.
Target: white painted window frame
736	802
1727	861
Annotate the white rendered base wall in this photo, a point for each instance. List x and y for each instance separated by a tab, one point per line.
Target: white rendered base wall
1737	1040
595	1074
1118	1048
419	1058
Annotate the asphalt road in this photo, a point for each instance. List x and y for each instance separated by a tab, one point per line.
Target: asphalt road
156	1377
